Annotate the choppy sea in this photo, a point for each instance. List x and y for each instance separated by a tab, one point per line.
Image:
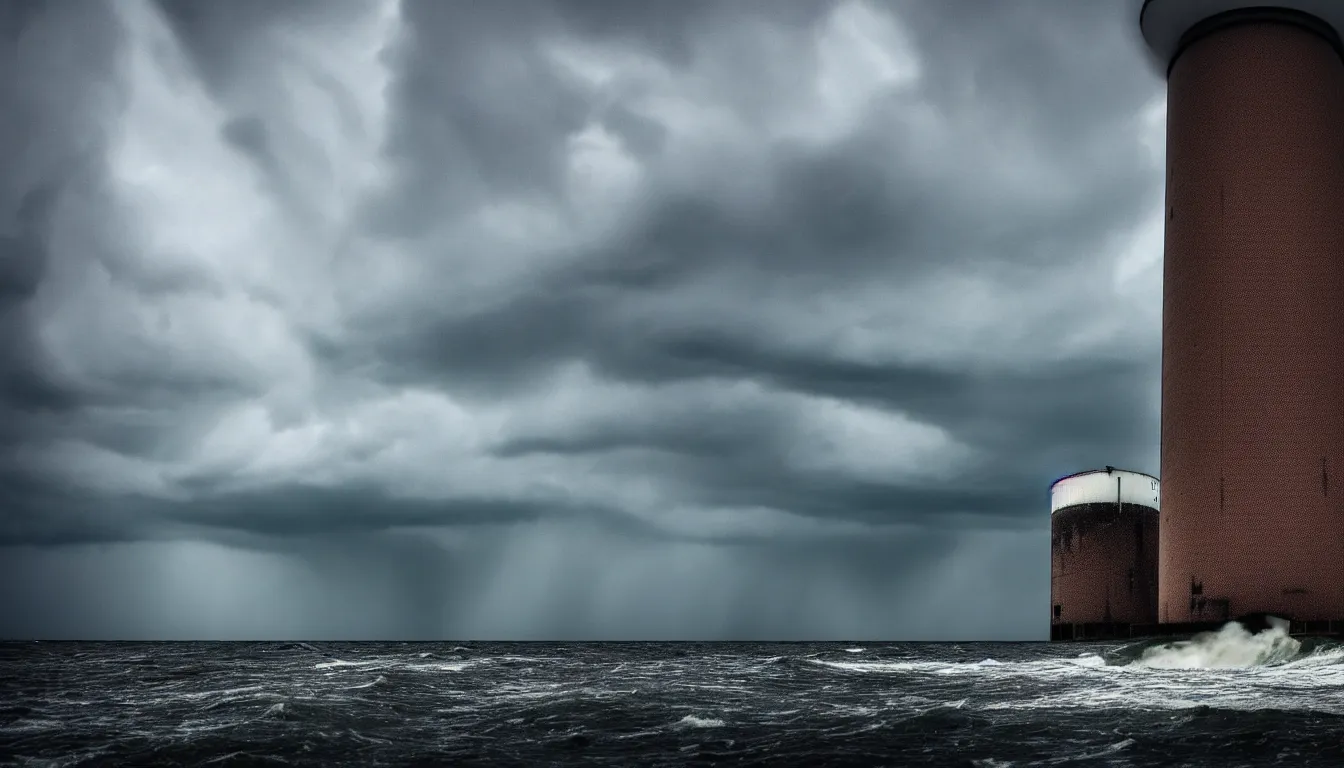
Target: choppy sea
1223	699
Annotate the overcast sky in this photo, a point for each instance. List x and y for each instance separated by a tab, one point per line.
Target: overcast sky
565	319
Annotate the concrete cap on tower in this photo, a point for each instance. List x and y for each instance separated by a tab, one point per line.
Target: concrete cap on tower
1169	25
1104	486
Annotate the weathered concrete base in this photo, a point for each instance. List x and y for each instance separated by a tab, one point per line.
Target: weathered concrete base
1117	631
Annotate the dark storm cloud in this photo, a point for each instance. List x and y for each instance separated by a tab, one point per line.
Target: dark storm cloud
738	458
473	91
46	147
299	513
217	37
564	319
851	211
670	30
305	511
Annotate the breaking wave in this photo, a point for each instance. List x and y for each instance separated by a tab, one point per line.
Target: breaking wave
1232	647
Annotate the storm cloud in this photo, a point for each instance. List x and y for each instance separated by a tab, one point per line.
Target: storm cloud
551	319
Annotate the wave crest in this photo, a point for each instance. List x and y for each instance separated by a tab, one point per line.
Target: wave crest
1232	647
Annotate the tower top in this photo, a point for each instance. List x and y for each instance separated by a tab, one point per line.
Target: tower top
1168	26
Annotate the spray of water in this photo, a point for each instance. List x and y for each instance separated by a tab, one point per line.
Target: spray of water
1231	647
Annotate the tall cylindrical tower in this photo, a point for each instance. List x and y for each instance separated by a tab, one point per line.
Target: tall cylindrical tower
1103	553
1253	309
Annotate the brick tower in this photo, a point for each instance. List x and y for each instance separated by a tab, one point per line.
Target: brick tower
1252	517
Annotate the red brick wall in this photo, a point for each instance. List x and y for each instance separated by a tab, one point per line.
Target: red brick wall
1094	549
1253	328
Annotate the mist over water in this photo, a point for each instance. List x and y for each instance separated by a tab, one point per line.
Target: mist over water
1226	698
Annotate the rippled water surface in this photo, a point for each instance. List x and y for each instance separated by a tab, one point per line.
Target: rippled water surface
1225	701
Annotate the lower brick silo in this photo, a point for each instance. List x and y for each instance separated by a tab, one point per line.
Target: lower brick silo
1103	554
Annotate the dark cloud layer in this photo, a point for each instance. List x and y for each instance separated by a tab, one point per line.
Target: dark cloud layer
548	319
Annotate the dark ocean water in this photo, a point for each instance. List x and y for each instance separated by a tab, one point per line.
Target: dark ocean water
1225	701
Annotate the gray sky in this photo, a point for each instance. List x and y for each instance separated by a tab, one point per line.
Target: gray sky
570	319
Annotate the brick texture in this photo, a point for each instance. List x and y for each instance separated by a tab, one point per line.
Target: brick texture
1103	564
1253	320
